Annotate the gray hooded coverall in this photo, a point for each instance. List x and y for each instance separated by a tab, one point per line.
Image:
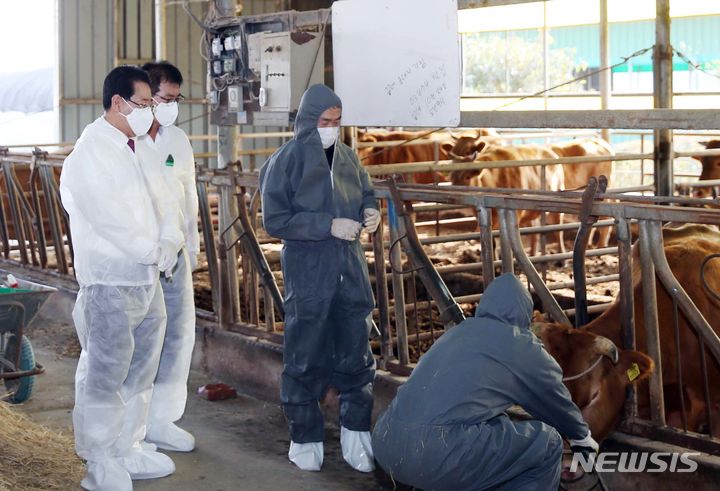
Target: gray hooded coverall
447	429
328	298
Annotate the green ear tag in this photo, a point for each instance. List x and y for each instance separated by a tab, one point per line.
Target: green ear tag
170	161
633	372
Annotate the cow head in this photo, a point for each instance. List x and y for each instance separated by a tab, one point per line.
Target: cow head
710	168
465	148
599	390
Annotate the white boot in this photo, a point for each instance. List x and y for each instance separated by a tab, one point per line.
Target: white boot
357	449
146	464
169	436
106	474
307	456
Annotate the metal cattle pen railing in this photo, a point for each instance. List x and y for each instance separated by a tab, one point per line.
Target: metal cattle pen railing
399	303
649	216
32	219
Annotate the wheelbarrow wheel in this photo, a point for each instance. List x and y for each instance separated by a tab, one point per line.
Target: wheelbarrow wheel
21	387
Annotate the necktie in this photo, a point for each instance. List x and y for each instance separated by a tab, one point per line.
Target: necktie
131	144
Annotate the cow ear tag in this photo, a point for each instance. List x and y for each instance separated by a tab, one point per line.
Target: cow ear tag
170	161
633	372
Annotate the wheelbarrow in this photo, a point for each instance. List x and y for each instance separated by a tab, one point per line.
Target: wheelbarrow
18	367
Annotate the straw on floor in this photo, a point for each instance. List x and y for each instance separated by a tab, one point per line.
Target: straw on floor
33	457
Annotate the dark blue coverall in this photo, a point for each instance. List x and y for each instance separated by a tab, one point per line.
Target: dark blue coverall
328	298
447	428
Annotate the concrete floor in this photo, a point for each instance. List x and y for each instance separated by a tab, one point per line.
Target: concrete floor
241	443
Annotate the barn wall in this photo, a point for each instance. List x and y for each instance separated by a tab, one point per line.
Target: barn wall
182	39
253	7
95	35
86	55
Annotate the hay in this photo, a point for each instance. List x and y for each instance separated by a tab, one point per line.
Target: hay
33	457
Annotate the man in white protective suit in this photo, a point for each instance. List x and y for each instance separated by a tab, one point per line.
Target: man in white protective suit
175	161
124	235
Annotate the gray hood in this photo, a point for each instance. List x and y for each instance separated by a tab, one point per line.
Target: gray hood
506	300
315	101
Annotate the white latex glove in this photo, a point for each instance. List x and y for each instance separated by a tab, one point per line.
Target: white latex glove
168	256
586	445
371	220
345	229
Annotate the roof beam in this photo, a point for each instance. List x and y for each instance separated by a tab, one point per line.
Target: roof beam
474	4
679	119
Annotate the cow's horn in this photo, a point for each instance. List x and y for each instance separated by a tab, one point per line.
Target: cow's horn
603	346
452	135
454	155
473	155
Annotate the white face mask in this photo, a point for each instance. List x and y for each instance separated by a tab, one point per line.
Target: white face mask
166	113
329	135
139	120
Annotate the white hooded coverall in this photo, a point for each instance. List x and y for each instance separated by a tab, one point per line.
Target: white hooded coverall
116	225
176	163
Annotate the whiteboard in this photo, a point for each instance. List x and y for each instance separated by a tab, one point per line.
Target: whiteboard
397	62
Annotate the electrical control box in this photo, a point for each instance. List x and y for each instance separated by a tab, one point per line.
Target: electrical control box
286	67
259	66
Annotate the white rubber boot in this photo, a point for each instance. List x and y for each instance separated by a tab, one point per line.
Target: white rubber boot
107	475
169	436
357	449
146	464
307	456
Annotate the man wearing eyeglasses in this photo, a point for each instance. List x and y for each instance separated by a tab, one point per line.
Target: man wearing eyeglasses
171	154
122	240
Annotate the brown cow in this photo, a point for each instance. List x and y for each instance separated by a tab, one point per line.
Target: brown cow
599	393
511	177
577	175
440	142
468	149
685	248
402	153
710	169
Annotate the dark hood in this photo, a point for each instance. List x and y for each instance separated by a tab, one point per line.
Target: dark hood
507	300
315	101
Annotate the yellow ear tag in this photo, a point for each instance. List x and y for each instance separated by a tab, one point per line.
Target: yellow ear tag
633	372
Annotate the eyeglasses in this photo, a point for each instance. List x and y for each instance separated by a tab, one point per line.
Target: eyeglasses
142	106
179	98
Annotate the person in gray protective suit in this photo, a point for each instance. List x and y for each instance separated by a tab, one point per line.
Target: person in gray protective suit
317	197
447	428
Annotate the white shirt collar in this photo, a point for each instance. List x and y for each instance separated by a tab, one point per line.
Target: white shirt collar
117	136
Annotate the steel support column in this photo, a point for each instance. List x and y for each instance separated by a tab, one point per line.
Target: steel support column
606	75
663	93
227	212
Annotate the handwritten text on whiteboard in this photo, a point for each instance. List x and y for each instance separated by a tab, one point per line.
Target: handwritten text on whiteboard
423	84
